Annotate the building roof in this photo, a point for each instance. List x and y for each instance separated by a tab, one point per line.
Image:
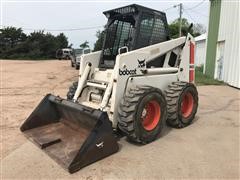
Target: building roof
201	37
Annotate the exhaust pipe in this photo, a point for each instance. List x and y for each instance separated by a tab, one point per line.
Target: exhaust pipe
70	133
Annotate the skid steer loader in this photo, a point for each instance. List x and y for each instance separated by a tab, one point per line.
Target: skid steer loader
140	80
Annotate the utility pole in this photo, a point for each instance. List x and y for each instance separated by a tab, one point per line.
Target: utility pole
180	18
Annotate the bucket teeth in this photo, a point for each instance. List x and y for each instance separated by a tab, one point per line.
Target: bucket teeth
71	134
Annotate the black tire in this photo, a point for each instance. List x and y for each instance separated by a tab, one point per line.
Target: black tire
130	114
72	90
182	104
76	67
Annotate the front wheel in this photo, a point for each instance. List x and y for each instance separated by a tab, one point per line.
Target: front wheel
76	67
72	90
142	114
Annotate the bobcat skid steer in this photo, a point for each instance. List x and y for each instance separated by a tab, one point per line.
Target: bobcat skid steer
140	80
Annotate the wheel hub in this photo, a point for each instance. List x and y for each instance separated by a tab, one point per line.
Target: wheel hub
187	105
151	115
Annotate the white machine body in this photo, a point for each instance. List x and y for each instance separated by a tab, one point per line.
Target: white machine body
104	88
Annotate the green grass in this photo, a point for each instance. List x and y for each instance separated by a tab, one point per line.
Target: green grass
202	79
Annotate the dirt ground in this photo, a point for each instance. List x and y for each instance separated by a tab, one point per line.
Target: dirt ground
209	148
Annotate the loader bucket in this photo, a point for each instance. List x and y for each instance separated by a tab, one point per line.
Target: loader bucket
71	134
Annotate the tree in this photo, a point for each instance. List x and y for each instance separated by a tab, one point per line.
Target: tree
99	42
174	27
70	45
11	36
62	40
199	28
195	31
14	43
84	45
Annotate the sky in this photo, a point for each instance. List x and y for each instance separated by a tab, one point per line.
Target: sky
86	16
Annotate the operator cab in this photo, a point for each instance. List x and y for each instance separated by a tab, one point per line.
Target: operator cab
129	28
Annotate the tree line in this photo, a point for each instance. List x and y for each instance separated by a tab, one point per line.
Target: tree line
15	44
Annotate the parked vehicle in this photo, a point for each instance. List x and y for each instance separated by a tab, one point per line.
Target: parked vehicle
65	53
75	61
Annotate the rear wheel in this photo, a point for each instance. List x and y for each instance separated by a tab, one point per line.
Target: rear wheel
142	114
182	104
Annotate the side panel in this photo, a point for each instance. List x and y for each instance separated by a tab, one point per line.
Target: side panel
128	64
186	67
125	67
86	70
92	58
159	81
104	76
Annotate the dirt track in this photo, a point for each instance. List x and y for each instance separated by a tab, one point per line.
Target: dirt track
25	83
209	148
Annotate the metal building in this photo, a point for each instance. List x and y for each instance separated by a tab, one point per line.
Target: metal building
200	51
222	54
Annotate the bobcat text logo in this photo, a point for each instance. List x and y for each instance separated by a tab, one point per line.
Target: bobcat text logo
127	72
141	63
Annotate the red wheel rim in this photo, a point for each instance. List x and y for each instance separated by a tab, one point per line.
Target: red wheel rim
187	105
151	115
